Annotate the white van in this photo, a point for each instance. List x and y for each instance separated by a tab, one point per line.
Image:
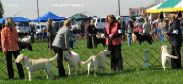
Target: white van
40	28
41	31
22	27
99	22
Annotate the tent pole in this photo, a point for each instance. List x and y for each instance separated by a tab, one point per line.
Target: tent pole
37	8
119	7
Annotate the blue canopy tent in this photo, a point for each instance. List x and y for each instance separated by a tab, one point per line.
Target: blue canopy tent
21	19
15	19
2	20
48	15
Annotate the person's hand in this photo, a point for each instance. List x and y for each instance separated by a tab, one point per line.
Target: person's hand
165	33
48	33
4	52
110	35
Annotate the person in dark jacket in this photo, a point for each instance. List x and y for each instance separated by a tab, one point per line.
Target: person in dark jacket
176	41
50	32
122	25
113	41
91	35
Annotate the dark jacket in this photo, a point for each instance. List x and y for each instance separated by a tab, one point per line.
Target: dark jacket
175	33
122	26
91	30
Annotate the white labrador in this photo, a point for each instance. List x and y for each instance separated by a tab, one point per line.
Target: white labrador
73	60
97	61
165	56
36	64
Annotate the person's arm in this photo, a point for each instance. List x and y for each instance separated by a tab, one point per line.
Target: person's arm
118	33
125	27
3	40
169	33
95	30
144	27
48	29
106	35
16	34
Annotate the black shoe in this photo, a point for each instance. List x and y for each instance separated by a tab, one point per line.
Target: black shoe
22	78
10	78
63	75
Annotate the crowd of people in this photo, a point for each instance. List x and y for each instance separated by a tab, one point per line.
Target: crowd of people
115	30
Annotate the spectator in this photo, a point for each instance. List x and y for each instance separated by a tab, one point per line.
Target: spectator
122	25
82	28
176	41
73	39
138	26
147	29
9	38
113	41
61	43
51	33
161	27
91	35
32	33
129	31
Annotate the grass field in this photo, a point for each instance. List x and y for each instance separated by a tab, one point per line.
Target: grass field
133	59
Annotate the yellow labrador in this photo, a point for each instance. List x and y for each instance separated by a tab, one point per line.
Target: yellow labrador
73	60
97	61
36	64
165	56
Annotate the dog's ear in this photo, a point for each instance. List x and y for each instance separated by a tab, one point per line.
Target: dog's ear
162	47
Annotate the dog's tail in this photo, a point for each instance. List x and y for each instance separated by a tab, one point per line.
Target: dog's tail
54	58
87	61
171	56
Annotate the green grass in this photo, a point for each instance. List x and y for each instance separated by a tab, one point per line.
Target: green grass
133	59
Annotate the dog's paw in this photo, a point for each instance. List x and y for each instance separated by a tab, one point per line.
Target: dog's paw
176	57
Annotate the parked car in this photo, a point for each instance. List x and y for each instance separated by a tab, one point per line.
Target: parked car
41	31
23	27
99	22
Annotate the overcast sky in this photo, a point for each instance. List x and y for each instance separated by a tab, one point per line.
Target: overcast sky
28	8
